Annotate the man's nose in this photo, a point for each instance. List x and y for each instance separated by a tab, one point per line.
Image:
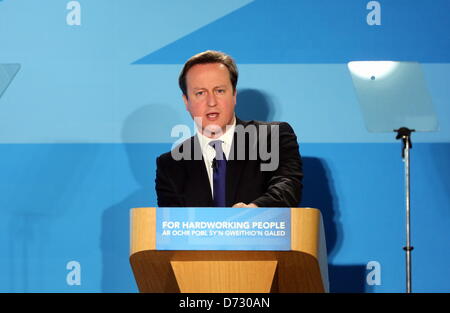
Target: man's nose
211	100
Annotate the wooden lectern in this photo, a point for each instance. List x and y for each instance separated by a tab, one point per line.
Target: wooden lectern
302	269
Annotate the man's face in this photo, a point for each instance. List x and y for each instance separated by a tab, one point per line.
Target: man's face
210	97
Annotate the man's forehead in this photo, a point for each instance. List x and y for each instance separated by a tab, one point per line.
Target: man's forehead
206	68
210	73
213	65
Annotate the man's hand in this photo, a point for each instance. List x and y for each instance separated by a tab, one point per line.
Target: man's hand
243	205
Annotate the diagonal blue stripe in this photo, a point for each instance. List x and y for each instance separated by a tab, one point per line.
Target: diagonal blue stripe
7	74
320	31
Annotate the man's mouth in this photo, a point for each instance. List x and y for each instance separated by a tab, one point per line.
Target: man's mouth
212	116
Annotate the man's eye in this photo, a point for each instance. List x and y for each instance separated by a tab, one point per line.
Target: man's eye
220	90
199	93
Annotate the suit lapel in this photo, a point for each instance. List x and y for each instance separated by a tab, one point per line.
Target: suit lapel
234	170
198	177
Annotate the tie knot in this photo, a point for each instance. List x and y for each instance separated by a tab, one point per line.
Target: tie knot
217	145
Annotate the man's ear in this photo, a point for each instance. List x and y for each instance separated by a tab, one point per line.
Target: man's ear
186	102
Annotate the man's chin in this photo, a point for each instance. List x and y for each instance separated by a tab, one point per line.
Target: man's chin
212	130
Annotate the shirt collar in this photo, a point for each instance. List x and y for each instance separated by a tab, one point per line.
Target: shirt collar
227	139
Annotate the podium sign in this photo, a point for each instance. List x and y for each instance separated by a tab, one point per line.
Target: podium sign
223	229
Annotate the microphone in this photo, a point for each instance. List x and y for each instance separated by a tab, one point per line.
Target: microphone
214	164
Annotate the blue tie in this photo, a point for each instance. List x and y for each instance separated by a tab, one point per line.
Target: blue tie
219	174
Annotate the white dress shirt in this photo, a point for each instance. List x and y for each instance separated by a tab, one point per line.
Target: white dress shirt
209	153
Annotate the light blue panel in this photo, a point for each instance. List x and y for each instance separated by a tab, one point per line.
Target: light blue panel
78	81
119	30
320	102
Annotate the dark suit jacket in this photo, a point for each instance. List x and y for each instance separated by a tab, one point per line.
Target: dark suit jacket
185	183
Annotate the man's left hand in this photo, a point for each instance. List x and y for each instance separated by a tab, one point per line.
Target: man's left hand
243	205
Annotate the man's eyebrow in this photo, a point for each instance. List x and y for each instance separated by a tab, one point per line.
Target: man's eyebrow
219	86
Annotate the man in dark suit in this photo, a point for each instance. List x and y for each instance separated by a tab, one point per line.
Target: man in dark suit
229	162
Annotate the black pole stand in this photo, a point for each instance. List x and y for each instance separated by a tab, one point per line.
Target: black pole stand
404	134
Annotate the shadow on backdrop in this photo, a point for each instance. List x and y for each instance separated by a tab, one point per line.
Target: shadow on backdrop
252	104
36	187
319	192
143	125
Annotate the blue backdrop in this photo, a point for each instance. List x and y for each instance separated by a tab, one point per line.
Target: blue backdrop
96	96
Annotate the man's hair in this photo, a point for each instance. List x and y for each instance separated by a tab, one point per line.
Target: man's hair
206	57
